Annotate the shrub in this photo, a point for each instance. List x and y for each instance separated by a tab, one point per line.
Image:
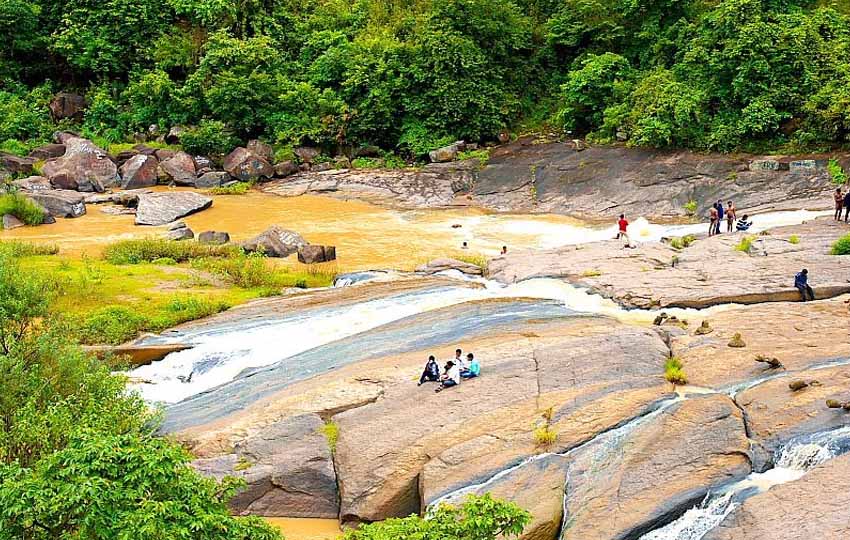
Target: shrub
544	435
164	261
22	208
151	249
794	239
239	188
674	372
331	432
111	325
691	207
482	155
681	242
16	248
476	259
243	270
841	246
836	172
209	137
591	273
745	245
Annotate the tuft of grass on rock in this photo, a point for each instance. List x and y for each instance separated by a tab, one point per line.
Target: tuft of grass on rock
242	465
544	435
794	239
475	259
841	246
737	342
691	207
745	245
22	208
591	273
331	432
674	372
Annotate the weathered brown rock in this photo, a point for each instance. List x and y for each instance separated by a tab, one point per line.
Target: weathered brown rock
163	154
212	180
179	169
60	203
813	507
777	414
246	166
288	468
442	265
213	237
163	208
16	164
642	277
261	149
285	168
648	475
179	231
139	171
307	153
48	151
313	254
275	242
174	134
444	154
9	222
84	165
33	183
67	105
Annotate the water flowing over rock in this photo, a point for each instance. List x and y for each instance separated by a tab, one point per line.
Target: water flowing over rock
179	169
275	242
60	203
247	166
813	507
83	165
139	171
288	468
442	265
163	208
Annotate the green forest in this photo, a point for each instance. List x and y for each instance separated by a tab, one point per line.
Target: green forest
408	75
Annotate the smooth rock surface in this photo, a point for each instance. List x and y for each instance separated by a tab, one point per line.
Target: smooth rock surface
442	265
163	208
815	507
213	237
9	222
275	242
60	203
33	183
212	179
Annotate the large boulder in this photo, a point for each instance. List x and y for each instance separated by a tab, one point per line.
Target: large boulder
261	149
288	469
67	105
645	476
312	254
83	165
139	171
163	208
16	164
179	169
212	179
48	151
285	168
275	242
247	166
60	202
442	265
446	153
815	507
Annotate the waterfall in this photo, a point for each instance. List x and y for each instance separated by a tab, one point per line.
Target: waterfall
797	457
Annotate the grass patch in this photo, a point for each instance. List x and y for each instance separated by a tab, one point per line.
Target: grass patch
482	155
256	271
331	432
745	245
239	188
152	249
681	242
691	207
591	273
794	239
475	259
22	208
17	248
544	435
836	172
674	372
841	246
242	465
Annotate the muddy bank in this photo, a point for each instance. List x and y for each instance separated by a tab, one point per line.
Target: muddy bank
595	183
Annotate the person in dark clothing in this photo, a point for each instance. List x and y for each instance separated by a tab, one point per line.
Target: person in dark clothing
846	205
801	281
720	214
431	371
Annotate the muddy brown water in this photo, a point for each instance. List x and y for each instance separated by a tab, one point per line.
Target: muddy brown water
366	236
307	528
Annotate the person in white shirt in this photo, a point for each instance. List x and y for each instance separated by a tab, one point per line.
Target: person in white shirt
458	360
451	377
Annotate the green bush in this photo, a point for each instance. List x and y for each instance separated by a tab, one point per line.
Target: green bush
681	242
22	208
794	239
111	325
674	372
836	172
239	188
149	250
841	246
691	207
209	137
17	248
746	244
331	432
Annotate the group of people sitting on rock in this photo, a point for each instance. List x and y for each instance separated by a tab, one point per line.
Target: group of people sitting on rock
452	373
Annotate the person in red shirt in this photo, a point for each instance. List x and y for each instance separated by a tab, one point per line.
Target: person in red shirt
623	229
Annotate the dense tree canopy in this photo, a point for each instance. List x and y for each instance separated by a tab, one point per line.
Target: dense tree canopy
410	74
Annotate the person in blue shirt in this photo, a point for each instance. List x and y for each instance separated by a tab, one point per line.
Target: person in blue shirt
801	282
720	214
474	368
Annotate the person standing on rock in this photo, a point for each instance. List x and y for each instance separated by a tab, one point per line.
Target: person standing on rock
431	371
623	228
846	205
719	216
712	223
730	216
801	282
839	203
450	378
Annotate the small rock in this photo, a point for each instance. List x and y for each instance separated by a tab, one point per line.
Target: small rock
146	150
66	105
285	168
203	163
11	222
504	137
367	151
16	164
764	165
772	363
213	238
306	153
704	329
444	154
797	385
164	153
312	254
176	225
737	341
835	404
179	231
659	320
322	167
275	242
174	134
212	180
342	162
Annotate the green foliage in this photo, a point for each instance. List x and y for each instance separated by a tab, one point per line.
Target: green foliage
746	244
674	372
239	188
544	435
209	137
481	261
841	246
691	207
794	239
151	249
478	518
17	248
22	208
482	155
331	432
836	172
681	242
24	114
254	270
